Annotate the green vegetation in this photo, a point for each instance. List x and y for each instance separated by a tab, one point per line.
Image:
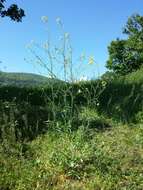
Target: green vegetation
25	80
126	55
91	148
123	96
13	12
82	159
60	134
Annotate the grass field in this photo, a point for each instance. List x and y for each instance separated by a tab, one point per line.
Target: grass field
83	159
100	151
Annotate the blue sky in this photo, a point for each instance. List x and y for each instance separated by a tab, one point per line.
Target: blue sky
92	25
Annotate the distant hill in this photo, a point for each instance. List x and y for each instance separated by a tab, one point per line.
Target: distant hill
25	79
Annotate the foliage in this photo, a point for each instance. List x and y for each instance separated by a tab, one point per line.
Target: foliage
139	117
26	80
64	135
14	12
82	159
123	97
86	151
119	98
126	55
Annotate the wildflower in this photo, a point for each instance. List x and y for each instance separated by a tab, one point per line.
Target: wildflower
75	80
72	164
104	83
7	106
44	19
58	20
66	35
91	60
97	104
79	91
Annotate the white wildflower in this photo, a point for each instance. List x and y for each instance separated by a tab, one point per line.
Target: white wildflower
44	19
58	20
66	35
79	91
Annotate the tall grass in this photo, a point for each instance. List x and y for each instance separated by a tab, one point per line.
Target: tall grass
84	159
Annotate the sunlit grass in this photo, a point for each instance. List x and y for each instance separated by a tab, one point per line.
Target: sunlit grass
82	159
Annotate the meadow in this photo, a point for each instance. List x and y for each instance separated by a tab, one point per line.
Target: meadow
84	135
71	127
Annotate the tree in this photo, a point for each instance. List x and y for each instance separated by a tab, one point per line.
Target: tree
126	56
14	12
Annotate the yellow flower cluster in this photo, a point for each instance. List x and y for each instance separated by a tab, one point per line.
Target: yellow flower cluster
91	60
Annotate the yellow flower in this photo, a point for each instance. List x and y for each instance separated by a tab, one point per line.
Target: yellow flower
91	60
